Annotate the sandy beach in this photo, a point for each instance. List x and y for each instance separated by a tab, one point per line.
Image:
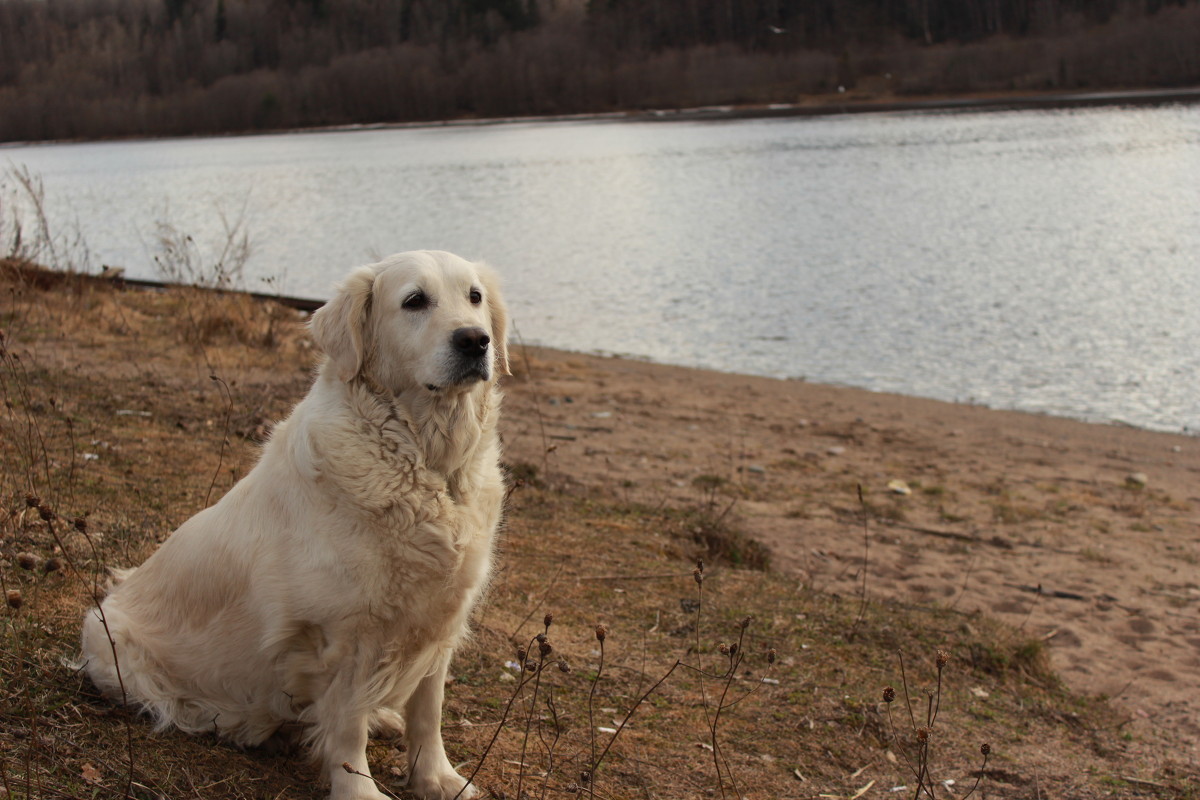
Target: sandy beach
1086	536
1083	536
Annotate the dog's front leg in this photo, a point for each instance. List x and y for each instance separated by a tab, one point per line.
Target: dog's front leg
431	776
340	738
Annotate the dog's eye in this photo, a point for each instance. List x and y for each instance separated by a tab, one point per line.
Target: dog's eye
415	301
476	297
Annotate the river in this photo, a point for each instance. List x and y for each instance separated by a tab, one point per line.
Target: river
1046	261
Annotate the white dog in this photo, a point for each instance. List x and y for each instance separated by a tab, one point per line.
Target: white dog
332	584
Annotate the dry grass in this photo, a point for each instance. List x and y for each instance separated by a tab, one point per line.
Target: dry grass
124	416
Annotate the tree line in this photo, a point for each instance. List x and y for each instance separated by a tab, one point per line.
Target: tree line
106	68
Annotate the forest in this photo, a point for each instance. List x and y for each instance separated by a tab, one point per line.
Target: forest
118	68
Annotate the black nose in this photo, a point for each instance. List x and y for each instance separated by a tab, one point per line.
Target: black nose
470	341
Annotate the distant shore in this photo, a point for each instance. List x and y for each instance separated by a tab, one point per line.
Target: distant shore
817	106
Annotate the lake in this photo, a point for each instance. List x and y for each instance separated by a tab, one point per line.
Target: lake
1046	261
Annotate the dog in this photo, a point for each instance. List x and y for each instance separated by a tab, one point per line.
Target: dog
332	584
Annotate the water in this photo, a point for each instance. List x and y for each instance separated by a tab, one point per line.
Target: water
1046	261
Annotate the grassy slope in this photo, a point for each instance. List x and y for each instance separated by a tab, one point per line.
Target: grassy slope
79	358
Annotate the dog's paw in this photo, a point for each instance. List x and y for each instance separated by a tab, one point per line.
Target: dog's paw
366	791
444	784
348	785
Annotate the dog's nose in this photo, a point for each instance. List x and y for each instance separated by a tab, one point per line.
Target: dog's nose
470	341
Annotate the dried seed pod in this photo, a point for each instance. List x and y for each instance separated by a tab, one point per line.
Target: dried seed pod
563	666
771	656
746	621
985	749
601	632
544	648
27	560
13	596
46	513
81	524
32	500
546	620
52	565
889	694
943	658
923	733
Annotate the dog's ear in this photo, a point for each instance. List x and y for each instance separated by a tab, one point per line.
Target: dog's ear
339	326
499	314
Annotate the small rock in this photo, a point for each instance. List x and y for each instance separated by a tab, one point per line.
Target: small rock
1137	480
899	487
835	450
756	469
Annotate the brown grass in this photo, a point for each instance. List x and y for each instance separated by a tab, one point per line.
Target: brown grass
112	417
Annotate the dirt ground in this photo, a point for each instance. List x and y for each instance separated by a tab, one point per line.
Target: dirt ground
1085	535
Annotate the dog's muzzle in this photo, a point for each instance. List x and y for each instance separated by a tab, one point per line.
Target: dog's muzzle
470	348
470	342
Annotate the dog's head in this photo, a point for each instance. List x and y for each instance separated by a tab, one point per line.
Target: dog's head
423	320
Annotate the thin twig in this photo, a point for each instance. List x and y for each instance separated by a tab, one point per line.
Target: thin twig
862	607
224	436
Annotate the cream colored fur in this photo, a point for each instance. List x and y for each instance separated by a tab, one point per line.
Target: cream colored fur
331	586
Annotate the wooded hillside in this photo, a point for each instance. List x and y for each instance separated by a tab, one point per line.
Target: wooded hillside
96	68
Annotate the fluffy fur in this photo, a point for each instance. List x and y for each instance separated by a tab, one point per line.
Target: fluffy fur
332	584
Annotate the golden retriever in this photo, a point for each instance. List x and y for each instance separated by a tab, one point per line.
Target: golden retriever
332	584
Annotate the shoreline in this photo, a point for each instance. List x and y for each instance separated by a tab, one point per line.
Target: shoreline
1183	431
813	106
309	305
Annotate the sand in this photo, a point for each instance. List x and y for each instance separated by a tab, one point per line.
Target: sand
1086	536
